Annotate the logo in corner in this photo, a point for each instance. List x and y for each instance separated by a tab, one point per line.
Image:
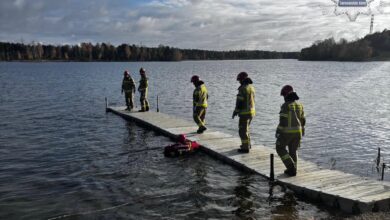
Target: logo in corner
353	8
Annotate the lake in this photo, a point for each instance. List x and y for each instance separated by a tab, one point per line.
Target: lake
62	155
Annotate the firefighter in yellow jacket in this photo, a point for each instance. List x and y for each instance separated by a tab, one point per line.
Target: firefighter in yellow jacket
290	130
128	87
200	97
245	109
143	90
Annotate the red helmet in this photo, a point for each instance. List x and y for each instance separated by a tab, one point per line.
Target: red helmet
195	78
126	73
181	138
242	76
287	89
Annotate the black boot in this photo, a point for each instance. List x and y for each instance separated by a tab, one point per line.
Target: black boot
201	129
244	151
290	172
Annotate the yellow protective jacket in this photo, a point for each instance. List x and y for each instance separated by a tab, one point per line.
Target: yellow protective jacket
200	96
245	102
128	84
143	85
291	117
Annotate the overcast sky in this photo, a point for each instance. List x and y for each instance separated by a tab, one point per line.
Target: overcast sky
285	25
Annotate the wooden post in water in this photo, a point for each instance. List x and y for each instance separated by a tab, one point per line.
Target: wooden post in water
271	172
158	110
383	170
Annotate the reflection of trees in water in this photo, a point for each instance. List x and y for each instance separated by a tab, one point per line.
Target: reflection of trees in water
244	199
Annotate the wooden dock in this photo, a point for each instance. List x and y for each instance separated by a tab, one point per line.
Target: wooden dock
348	192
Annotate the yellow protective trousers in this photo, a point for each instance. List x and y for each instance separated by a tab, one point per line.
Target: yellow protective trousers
243	131
129	99
199	116
290	157
144	101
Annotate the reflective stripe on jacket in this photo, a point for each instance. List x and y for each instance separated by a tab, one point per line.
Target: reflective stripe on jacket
245	103
291	118
200	96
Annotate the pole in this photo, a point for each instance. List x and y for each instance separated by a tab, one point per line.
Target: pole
383	170
271	172
106	104
158	110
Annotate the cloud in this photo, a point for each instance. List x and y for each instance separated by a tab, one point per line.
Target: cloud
19	3
203	24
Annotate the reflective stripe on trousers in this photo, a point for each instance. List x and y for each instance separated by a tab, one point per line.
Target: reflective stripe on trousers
199	116
290	157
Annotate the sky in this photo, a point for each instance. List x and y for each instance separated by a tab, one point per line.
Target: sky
284	25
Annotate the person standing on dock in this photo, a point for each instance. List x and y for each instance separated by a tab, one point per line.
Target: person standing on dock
245	109
200	97
128	87
143	90
290	130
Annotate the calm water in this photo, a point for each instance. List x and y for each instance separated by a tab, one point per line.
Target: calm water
62	155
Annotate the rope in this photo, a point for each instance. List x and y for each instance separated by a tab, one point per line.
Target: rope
147	149
89	212
138	200
108	208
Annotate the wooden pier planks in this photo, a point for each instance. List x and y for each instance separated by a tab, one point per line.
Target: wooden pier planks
348	192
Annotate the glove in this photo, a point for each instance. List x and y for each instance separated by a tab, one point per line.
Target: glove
277	134
234	114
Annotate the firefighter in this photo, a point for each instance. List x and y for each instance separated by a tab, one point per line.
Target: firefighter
128	87
200	97
143	90
245	109
290	130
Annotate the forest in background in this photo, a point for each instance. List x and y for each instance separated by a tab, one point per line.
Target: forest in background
125	52
372	47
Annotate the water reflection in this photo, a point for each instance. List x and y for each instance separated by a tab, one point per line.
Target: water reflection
132	134
199	189
286	210
270	198
244	200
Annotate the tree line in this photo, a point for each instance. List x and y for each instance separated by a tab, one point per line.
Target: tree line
372	47
125	52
